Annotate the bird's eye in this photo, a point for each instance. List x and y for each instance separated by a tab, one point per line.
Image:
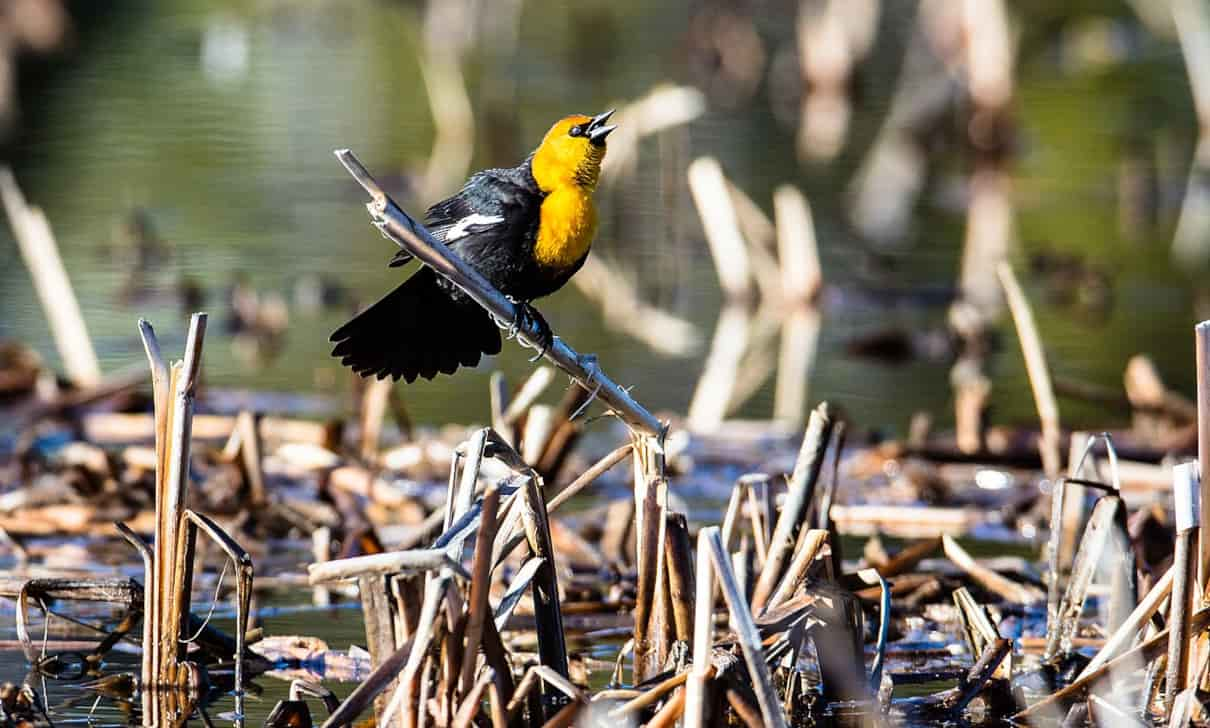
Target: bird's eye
576	131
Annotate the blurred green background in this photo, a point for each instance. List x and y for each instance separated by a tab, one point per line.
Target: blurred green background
203	132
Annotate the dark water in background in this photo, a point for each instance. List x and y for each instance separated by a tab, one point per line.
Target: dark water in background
231	155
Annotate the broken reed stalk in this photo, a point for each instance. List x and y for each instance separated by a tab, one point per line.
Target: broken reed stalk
1193	30
41	255
169	576
552	647
1202	344
757	230
980	673
650	502
463	498
797	250
795	362
745	629
909	557
703	640
539	427
480	585
410	235
527	395
160	381
374	402
976	622
1035	365
149	596
382	676
679	557
1066	510
987	578
1089	556
1125	635
473	700
1184	586
708	185
588	477
798	500
498	396
1128	661
813	541
1192	22
715	390
379	625
408	684
504	547
414	561
668	715
191	524
649	514
651	696
1202	338
170	500
735	505
245	442
453	118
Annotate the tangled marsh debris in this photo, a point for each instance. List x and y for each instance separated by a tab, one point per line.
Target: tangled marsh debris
485	605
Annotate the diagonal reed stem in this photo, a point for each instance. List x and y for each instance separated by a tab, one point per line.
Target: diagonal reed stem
416	239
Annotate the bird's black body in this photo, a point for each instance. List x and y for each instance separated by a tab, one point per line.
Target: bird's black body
527	229
502	252
428	325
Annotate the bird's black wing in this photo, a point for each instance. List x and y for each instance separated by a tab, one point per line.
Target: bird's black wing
494	205
495	201
491	222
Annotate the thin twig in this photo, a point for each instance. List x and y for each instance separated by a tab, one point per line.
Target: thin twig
1035	365
588	477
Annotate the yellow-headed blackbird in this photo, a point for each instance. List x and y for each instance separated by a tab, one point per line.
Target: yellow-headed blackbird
527	229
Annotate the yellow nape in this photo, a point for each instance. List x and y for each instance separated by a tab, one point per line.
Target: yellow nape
567	227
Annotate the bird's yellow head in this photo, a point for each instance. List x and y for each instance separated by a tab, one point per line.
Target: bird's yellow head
571	152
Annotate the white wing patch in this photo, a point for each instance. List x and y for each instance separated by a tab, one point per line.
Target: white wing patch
462	228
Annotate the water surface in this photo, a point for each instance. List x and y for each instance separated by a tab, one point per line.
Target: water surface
218	121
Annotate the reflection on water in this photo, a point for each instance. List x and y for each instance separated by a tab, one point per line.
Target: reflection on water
183	155
76	698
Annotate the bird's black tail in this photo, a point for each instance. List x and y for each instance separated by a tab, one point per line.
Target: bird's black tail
418	329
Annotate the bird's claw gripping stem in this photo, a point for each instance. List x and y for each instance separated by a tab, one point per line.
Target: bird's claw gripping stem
528	318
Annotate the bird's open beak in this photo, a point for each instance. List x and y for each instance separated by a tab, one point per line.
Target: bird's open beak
598	129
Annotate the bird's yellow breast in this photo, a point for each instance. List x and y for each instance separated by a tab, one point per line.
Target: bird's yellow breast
568	225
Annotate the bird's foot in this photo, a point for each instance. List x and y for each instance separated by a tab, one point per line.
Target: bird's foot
530	323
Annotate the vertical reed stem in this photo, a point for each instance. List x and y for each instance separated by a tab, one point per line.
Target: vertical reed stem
1185	490
798	499
1203	446
552	648
703	638
745	629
